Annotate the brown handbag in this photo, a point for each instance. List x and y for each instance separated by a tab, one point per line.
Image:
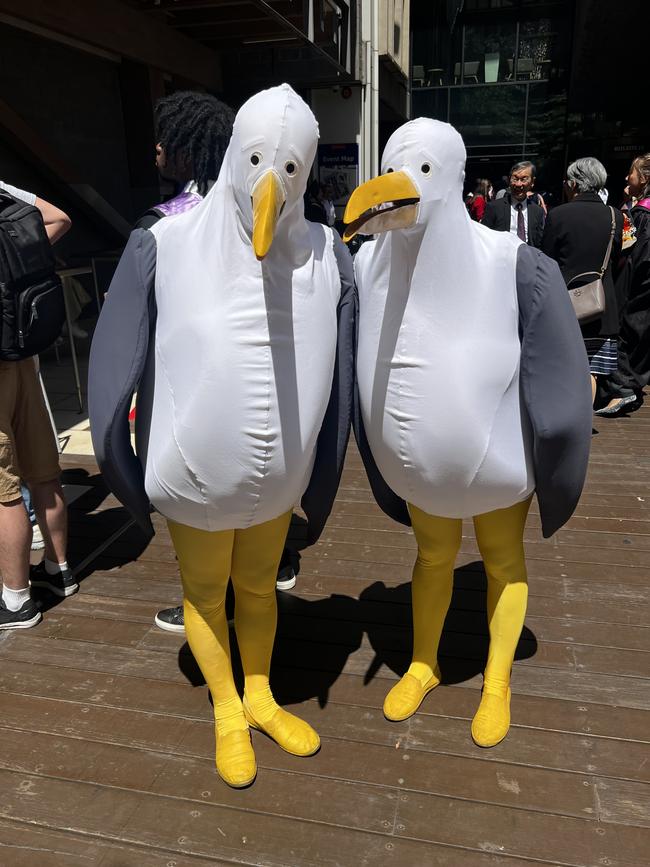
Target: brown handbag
589	299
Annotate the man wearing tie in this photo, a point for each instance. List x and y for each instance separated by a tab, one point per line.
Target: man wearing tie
516	212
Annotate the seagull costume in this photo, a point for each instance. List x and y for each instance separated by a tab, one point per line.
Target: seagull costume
235	322
473	393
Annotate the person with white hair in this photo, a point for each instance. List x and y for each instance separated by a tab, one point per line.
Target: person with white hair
584	236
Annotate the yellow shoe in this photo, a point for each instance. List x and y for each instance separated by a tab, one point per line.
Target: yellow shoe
407	695
492	720
288	731
235	759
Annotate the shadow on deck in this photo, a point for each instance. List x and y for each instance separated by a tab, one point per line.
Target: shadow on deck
107	750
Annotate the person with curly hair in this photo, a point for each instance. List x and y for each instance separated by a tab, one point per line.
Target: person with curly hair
192	133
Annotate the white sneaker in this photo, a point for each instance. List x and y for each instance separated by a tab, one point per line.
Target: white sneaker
286	578
37	538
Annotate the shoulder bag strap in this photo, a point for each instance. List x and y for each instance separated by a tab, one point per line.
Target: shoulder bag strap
611	241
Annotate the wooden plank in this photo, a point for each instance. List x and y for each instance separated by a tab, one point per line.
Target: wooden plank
623	802
344	725
358	783
527	678
473	620
23	844
295	686
181	828
506	831
278	793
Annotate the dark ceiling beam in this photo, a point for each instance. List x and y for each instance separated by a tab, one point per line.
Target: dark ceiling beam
271	12
192	5
118	28
243	29
251	13
236	31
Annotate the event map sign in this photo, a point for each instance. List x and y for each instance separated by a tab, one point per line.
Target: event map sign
338	166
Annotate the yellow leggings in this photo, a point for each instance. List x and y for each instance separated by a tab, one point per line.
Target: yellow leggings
250	558
500	539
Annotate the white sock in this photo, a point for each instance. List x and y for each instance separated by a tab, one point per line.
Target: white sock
14	599
53	568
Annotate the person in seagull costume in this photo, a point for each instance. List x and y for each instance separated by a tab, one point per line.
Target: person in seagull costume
443	299
235	322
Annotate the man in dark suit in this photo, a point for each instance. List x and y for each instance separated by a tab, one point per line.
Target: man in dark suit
515	212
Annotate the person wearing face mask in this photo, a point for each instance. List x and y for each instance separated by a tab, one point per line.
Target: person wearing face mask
235	320
499	321
623	390
516	212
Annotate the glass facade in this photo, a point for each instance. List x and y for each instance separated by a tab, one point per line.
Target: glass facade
545	80
500	75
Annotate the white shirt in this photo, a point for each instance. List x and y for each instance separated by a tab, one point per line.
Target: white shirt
23	195
330	211
514	213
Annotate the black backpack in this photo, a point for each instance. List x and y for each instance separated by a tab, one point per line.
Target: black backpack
32	311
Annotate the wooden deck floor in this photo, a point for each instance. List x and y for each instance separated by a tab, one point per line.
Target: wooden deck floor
106	748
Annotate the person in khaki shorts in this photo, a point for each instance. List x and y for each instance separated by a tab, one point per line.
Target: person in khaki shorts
28	451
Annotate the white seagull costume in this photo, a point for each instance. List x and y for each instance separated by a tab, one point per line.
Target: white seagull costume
240	351
235	322
473	392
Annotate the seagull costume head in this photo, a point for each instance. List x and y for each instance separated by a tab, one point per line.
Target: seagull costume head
268	164
423	168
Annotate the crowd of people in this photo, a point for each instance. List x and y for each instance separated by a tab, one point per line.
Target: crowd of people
589	238
597	247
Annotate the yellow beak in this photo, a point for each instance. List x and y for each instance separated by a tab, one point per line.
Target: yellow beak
268	198
395	190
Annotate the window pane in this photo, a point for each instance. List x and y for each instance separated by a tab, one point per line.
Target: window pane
536	44
489	115
430	103
434	49
489	53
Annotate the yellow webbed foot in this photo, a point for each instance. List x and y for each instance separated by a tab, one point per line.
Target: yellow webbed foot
492	720
407	695
288	731
235	758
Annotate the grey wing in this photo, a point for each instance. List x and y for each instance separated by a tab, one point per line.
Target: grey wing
117	360
318	499
555	386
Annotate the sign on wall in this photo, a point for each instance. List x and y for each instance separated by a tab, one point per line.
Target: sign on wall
338	167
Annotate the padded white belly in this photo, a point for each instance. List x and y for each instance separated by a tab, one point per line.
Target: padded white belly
240	392
438	376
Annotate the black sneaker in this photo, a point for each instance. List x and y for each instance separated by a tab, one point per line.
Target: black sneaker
171	619
286	579
63	583
26	616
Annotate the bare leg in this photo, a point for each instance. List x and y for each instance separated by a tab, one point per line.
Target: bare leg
15	539
52	514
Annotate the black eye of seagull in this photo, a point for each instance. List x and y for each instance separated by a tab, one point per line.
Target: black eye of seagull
425	168
290	168
388	171
255	159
